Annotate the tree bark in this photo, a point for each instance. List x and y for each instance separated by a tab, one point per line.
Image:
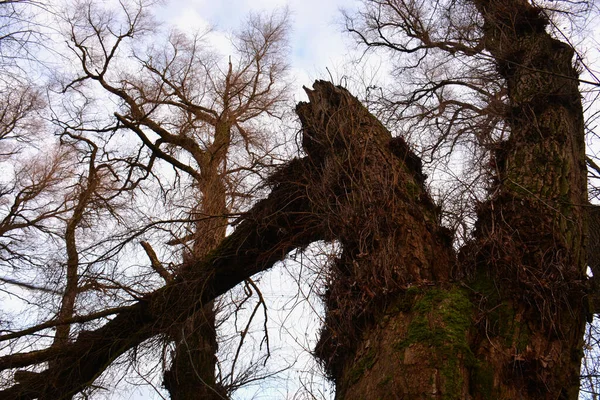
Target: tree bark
395	323
507	321
192	372
532	233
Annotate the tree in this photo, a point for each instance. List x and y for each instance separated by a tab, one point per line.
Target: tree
200	112
539	107
188	108
408	314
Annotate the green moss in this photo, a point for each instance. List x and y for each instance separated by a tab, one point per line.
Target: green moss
453	379
521	337
500	315
485	286
442	319
361	366
501	319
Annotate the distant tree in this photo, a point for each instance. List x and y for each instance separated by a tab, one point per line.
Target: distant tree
192	110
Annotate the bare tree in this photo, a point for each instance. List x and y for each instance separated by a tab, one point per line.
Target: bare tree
197	111
33	186
504	317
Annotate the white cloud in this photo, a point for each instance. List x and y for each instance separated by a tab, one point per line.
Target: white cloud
316	41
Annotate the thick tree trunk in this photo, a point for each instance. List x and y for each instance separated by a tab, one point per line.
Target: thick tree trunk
531	233
192	372
506	322
396	326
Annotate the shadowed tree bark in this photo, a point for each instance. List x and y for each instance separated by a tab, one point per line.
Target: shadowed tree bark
508	320
406	316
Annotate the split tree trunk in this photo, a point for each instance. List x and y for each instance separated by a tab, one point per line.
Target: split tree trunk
405	319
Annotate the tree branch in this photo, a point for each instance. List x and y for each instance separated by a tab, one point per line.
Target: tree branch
272	228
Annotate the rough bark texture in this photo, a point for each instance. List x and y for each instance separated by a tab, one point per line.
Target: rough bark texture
508	323
531	233
389	331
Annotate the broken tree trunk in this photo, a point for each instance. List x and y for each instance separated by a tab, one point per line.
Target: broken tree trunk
393	313
404	318
507	321
308	197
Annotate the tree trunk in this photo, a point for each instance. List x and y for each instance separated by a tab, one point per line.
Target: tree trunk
531	234
192	373
505	320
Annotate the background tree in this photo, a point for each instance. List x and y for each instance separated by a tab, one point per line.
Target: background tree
200	110
189	107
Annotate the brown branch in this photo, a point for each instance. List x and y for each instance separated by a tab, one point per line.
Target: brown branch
156	264
155	148
27	286
592	164
53	323
275	226
244	333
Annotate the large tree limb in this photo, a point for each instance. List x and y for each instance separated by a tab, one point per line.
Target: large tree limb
312	199
275	226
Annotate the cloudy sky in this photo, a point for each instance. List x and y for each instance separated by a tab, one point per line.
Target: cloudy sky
317	41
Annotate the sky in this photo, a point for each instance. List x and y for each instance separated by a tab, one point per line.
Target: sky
317	41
